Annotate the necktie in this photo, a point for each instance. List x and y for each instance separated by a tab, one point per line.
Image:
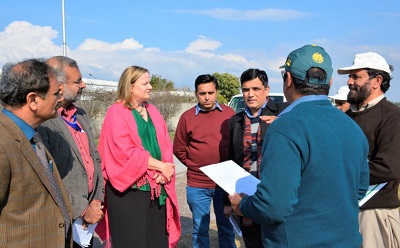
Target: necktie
41	153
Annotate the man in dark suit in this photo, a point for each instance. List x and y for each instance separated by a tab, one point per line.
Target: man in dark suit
34	207
247	130
69	138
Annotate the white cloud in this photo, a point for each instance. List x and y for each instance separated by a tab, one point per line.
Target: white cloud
22	39
92	44
234	58
104	60
250	15
201	44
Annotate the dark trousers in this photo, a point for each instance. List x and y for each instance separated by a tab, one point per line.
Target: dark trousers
251	235
135	220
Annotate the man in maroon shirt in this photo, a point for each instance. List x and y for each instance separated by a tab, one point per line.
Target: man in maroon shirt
69	138
202	138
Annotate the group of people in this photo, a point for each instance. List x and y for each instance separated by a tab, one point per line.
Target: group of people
315	162
53	176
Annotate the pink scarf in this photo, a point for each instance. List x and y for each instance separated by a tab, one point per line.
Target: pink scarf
124	161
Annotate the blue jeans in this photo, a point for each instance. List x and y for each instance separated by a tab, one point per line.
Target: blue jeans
199	200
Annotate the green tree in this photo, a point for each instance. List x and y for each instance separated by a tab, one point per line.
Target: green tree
228	86
161	84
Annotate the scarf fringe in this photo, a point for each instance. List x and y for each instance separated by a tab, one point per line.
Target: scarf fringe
155	188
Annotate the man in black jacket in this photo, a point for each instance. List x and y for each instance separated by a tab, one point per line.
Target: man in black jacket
247	130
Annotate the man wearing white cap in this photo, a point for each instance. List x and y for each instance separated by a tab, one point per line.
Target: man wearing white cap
341	98
369	79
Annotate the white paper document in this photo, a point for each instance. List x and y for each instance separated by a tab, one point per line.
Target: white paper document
236	225
80	236
372	190
231	177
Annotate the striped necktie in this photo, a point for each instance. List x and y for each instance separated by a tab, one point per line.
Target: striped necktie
41	153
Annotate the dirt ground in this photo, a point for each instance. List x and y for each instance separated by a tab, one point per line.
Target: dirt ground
186	219
186	239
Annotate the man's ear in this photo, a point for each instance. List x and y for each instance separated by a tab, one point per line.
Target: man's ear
376	83
61	88
31	100
289	81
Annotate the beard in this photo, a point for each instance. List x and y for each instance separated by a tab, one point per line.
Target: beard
71	96
358	94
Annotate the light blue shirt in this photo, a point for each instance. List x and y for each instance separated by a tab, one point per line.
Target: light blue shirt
301	100
198	109
26	129
248	112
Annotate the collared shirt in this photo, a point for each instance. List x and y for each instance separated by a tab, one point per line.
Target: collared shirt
26	129
82	142
198	108
248	111
301	100
372	103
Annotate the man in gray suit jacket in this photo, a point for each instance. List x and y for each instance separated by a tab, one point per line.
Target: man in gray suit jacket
69	138
34	206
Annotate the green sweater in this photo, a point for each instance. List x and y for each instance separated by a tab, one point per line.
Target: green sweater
313	172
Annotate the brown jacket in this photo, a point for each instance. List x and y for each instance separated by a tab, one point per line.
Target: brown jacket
29	215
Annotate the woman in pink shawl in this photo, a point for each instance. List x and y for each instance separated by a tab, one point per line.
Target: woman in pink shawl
137	162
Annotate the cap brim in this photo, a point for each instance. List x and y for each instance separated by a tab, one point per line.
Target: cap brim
339	98
282	66
346	70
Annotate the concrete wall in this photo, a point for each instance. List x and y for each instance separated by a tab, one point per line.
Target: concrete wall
173	122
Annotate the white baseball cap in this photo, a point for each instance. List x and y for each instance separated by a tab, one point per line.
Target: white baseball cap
342	93
367	60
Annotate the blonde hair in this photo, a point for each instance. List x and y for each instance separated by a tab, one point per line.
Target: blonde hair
127	79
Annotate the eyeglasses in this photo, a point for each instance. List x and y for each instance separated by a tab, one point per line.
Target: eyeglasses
78	82
284	74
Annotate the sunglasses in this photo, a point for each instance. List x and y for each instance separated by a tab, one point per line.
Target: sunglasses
284	75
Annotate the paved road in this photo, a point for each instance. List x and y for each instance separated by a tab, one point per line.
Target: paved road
179	167
186	215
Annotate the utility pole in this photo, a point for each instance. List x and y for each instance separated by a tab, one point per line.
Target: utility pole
63	27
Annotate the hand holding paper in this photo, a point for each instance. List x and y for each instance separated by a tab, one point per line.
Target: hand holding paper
235	202
231	177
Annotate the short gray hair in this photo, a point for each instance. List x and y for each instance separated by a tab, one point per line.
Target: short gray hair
58	66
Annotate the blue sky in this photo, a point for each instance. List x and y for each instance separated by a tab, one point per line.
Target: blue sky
180	40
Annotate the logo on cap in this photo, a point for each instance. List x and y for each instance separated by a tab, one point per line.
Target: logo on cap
318	58
288	62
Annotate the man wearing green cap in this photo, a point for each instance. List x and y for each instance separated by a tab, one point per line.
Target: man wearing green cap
310	182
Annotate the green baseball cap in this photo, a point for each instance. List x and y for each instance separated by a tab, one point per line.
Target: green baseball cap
301	60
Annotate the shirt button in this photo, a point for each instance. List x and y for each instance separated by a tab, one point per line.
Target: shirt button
61	225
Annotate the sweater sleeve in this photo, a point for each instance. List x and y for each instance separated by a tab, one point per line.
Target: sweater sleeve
384	160
181	140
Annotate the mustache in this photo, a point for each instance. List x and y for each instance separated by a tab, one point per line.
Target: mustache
353	87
